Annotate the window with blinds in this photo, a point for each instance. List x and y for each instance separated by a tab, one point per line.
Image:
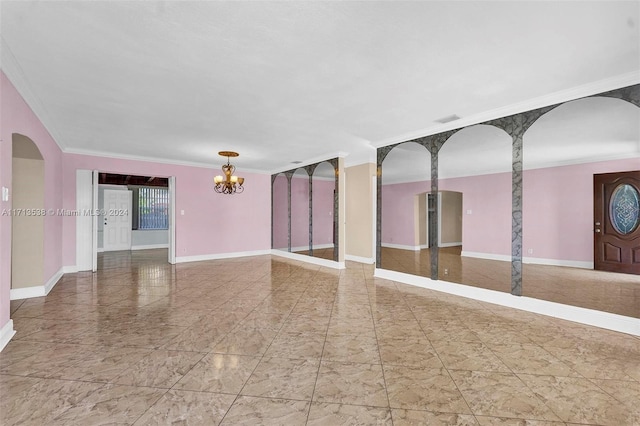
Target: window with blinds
153	208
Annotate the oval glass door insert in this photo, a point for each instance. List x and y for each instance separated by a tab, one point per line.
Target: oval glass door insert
624	209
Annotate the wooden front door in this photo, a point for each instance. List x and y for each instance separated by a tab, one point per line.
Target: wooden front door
617	222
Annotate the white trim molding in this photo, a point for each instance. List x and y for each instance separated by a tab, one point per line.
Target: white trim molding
454	244
71	269
530	260
591	317
309	259
6	333
487	256
359	259
150	247
401	246
203	257
38	290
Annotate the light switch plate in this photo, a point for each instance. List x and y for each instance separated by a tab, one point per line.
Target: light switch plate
5	193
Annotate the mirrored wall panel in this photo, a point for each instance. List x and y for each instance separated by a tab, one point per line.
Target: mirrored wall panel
280	212
300	212
543	203
474	208
406	179
574	158
310	200
324	186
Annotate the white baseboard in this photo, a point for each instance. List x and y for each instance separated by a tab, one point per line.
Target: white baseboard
309	259
202	257
38	290
360	259
70	269
530	260
401	246
6	333
592	317
150	247
487	256
305	248
454	244
556	262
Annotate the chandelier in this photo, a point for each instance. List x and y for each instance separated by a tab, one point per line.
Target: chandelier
228	184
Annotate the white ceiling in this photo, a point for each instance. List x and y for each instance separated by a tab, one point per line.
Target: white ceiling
285	81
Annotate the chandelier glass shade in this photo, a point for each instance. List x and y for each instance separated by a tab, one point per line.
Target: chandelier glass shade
228	184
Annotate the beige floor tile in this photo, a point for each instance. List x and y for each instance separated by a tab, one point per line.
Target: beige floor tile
105	364
532	359
283	378
362	349
37	401
409	352
464	355
578	400
161	369
111	404
356	384
501	395
505	421
249	411
419	388
414	417
246	341
297	345
322	414
187	408
221	373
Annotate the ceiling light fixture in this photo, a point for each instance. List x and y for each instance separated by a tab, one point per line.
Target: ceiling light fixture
228	184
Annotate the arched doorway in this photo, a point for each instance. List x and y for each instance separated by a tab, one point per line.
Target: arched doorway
27	225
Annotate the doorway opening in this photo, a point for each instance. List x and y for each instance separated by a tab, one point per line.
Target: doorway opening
27	224
449	232
151	217
134	216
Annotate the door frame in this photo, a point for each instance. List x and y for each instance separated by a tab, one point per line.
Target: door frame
87	230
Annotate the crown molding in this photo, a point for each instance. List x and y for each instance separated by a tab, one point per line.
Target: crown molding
157	160
314	160
574	93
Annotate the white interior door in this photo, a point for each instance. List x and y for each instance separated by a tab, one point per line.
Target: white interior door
117	220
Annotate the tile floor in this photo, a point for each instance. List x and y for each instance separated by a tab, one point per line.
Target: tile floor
265	340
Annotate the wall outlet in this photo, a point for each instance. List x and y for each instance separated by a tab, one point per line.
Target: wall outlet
530	251
469	211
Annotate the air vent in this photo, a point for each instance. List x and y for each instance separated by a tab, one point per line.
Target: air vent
296	162
448	119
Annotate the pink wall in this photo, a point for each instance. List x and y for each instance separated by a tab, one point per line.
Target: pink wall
212	224
558	209
17	117
488	228
280	213
323	211
397	211
300	211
